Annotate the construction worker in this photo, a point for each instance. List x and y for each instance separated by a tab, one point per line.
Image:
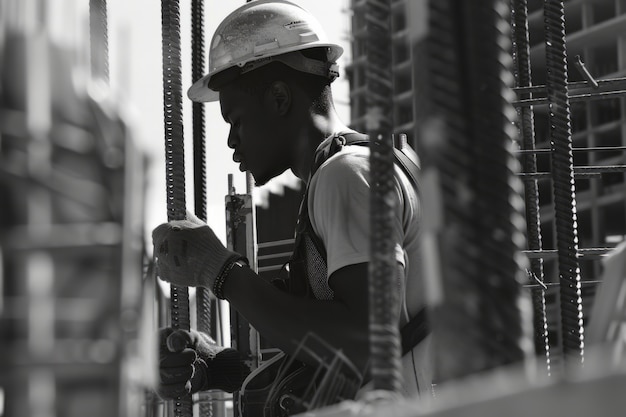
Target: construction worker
271	68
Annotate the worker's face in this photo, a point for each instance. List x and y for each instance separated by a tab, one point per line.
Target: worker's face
254	134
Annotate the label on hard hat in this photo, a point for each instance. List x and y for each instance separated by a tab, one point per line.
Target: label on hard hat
296	25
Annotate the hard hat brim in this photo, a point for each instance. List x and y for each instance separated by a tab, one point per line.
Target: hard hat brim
200	91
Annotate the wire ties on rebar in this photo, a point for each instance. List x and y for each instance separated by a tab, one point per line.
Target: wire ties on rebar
535	278
580	65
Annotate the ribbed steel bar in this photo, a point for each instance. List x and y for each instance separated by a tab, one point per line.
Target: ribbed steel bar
174	160
383	271
521	60
481	277
449	160
563	183
498	223
198	57
99	39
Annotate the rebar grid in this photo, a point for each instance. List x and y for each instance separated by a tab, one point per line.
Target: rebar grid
383	271
563	183
174	160
521	60
483	225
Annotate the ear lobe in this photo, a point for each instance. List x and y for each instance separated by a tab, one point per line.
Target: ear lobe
280	96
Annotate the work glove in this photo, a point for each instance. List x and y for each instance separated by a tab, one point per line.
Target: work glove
188	253
189	361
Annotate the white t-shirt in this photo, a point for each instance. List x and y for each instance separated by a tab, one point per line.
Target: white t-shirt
338	204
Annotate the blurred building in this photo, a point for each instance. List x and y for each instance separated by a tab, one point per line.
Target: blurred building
71	237
408	31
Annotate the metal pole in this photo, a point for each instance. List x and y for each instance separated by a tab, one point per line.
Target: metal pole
174	160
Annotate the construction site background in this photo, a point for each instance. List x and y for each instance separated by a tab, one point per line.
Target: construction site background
79	171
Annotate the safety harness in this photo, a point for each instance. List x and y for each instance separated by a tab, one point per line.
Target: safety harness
308	261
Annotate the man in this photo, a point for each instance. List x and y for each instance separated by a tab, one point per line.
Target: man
271	69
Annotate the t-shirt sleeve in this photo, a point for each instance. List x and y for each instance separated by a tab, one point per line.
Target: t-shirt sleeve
339	210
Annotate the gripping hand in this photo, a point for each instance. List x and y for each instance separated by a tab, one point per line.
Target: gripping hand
188	253
189	361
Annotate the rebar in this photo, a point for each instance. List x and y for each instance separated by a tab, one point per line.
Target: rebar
197	71
383	271
203	295
482	226
563	183
174	160
522	73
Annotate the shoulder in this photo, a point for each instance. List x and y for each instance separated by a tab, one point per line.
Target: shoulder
346	166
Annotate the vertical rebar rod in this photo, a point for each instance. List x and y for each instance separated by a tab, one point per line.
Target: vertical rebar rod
498	228
563	183
197	72
203	295
99	40
383	270
174	160
481	309
522	73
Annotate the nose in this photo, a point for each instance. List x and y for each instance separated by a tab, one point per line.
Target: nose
233	139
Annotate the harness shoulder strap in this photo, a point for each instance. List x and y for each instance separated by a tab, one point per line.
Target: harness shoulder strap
405	156
407	159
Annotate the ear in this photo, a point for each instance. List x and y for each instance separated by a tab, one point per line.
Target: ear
279	95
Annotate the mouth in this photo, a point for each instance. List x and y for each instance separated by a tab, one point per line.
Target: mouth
237	157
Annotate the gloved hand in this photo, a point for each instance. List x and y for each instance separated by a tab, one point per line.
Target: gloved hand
189	254
189	361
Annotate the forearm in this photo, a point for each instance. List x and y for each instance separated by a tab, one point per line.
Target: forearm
285	319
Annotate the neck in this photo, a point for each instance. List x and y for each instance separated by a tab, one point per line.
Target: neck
312	134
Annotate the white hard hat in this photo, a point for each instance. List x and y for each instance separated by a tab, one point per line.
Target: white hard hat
262	31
